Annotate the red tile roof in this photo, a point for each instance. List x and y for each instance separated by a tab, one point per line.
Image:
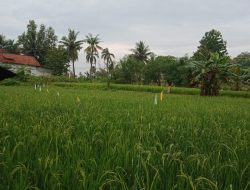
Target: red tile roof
18	59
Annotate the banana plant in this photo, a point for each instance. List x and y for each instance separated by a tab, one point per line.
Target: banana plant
209	74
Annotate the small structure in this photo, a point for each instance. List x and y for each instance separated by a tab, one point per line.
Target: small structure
11	63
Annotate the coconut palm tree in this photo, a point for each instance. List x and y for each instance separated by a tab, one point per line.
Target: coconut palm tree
210	73
141	51
73	46
107	57
92	51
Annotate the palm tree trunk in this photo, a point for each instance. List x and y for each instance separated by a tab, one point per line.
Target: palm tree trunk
108	77
91	68
108	81
73	63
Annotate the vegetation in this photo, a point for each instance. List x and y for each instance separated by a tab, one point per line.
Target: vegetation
73	46
92	51
243	60
211	42
210	73
92	139
9	45
141	66
144	88
57	61
141	51
37	42
62	132
108	59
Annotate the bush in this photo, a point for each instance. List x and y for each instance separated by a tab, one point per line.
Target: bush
10	82
52	79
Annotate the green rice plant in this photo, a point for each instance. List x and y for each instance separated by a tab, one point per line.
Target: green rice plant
147	88
87	137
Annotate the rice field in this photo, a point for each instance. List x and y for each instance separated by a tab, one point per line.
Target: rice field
69	138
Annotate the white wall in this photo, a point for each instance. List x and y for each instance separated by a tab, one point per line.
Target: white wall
35	71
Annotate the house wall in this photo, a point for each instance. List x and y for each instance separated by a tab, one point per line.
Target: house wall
35	71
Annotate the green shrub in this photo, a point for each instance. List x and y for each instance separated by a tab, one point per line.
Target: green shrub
10	82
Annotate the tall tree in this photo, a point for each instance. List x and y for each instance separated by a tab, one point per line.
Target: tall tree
37	42
211	42
73	46
51	38
108	59
141	51
92	51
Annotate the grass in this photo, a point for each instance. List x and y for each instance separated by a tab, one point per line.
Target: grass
88	138
148	88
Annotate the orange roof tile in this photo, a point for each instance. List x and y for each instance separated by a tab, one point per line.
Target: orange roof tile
18	59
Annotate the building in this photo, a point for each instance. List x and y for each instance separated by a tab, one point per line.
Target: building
11	63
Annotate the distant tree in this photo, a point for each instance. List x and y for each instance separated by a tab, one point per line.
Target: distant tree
240	70
210	73
37	42
101	73
92	51
168	69
153	72
57	61
212	42
158	70
243	60
129	70
184	72
141	51
108	59
12	47
2	40
51	38
9	45
246	77
28	40
72	46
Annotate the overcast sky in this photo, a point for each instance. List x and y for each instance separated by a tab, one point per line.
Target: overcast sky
169	27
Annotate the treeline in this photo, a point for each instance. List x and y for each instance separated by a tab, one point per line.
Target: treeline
208	67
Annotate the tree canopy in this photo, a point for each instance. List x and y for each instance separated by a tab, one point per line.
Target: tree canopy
57	61
211	42
9	45
141	51
243	60
72	46
36	42
92	51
